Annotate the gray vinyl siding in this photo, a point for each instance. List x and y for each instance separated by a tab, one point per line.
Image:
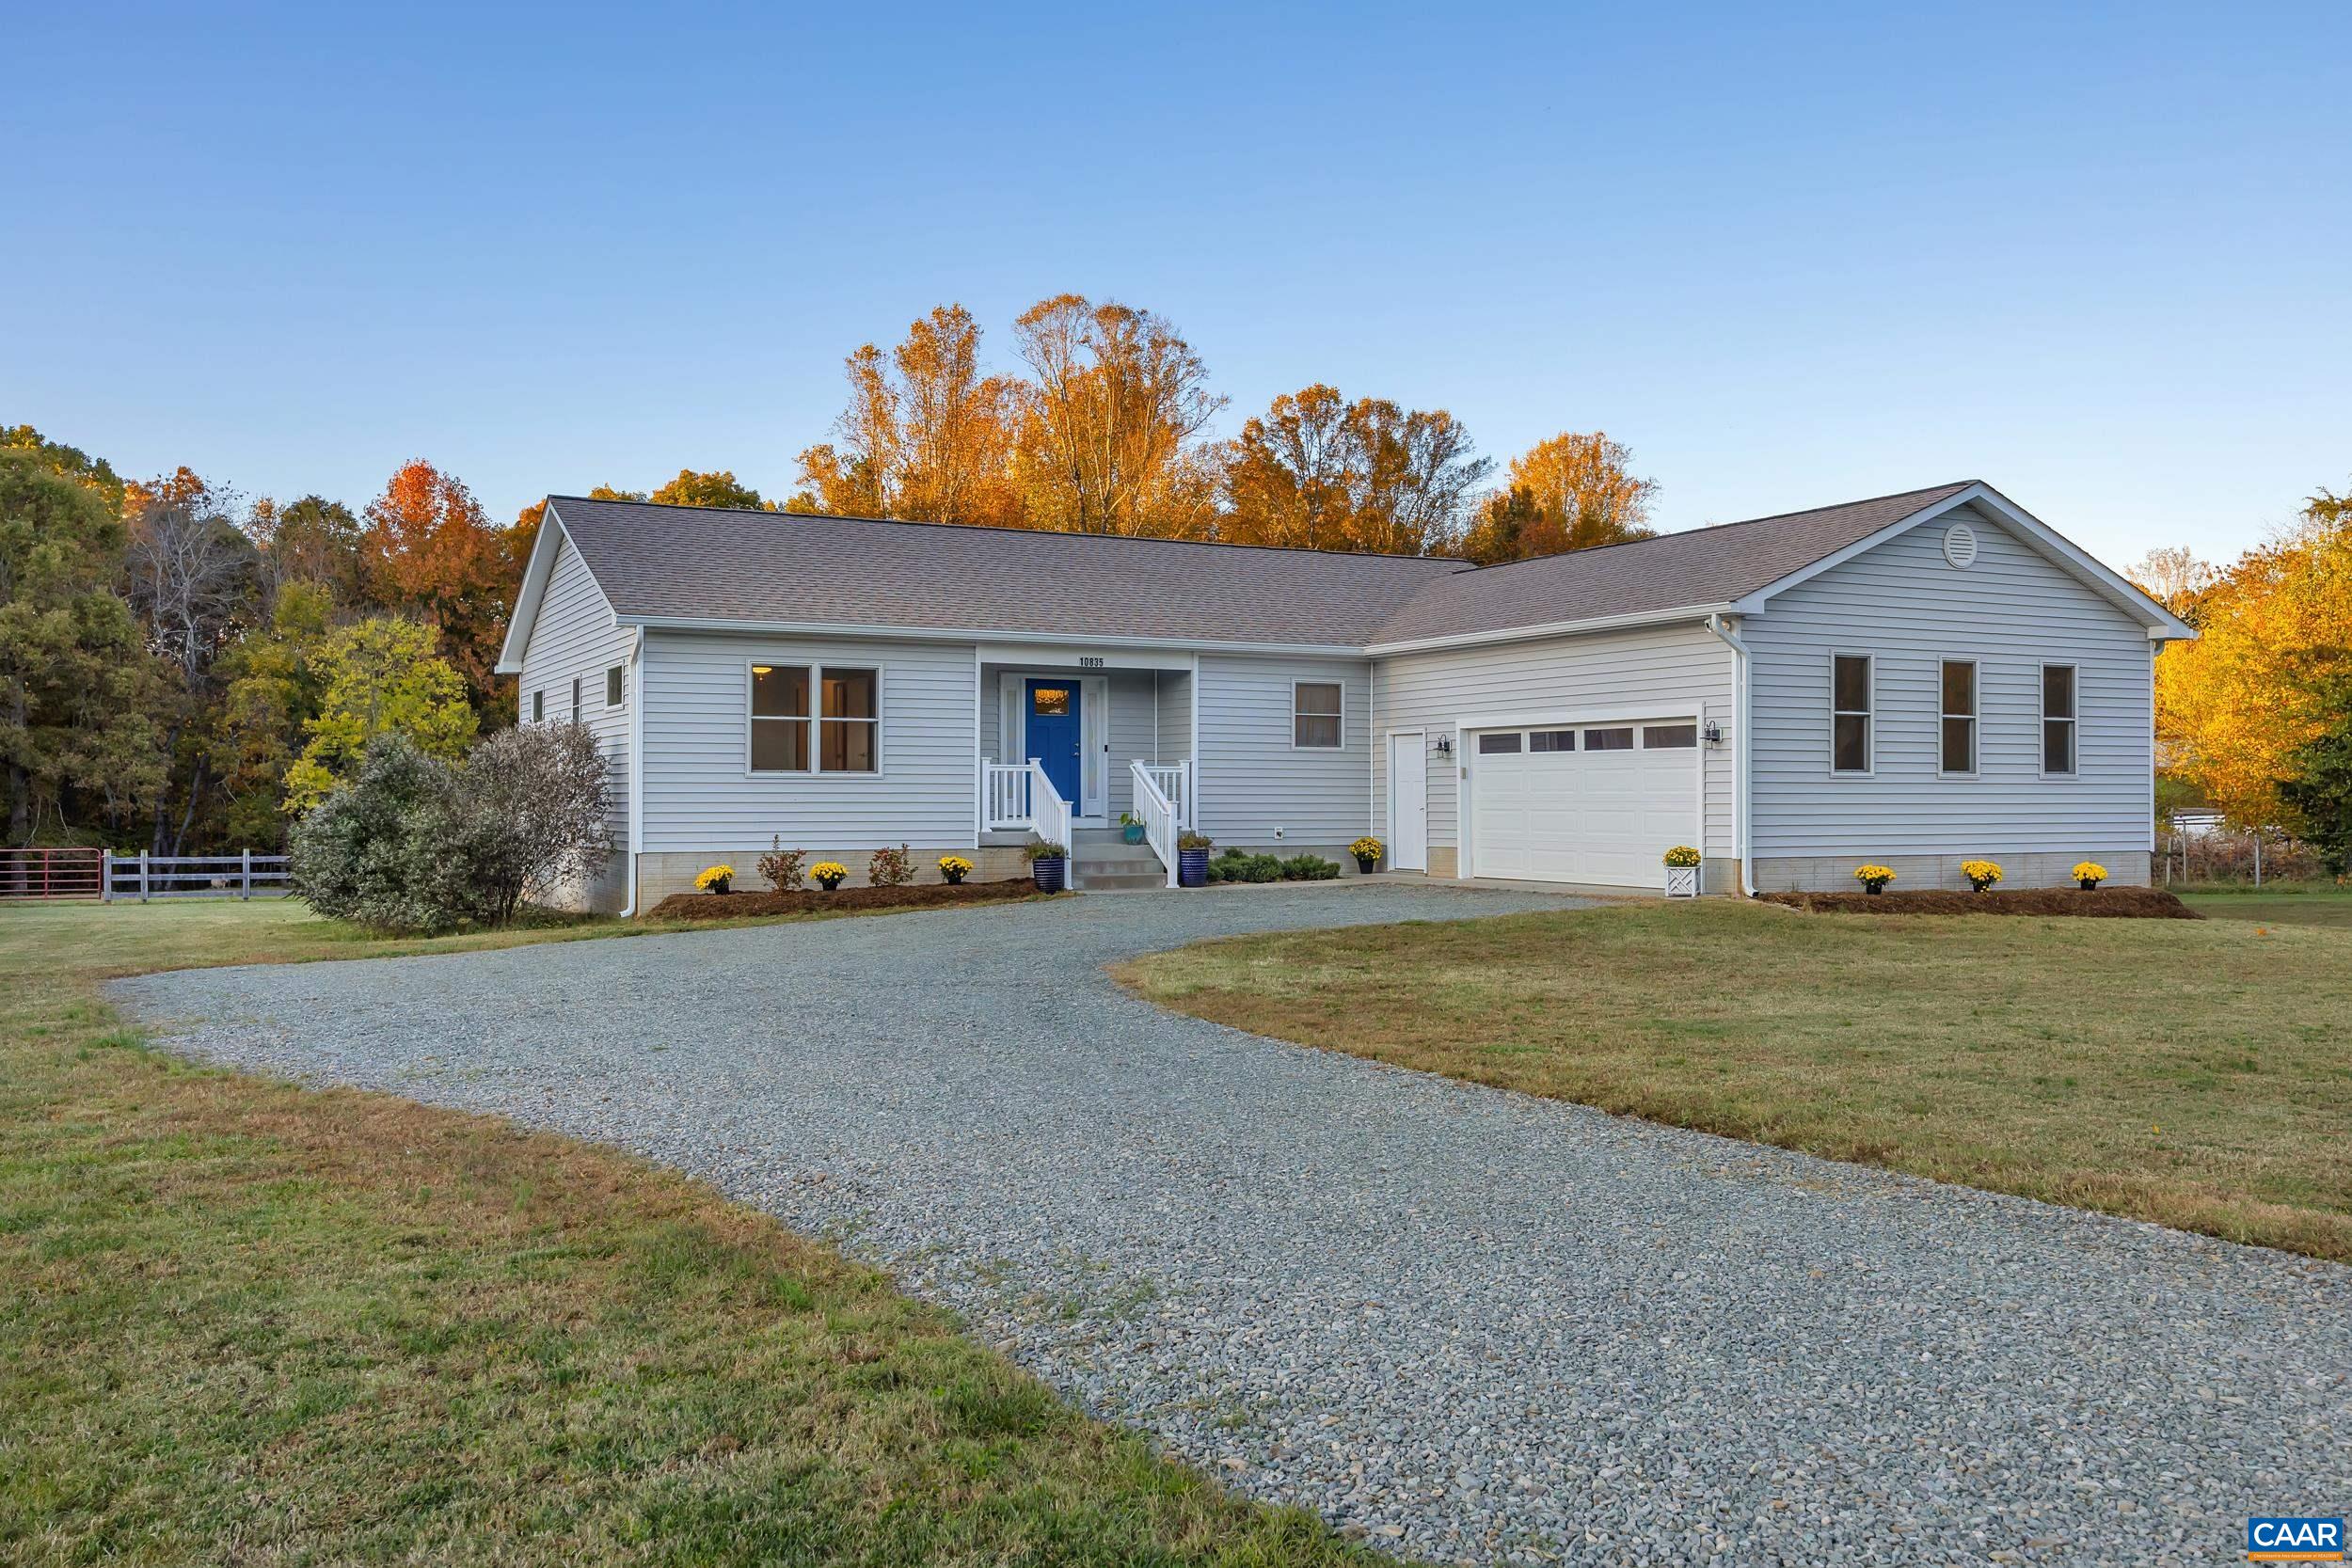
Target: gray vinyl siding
2011	612
1132	734
575	638
1175	695
1666	670
1254	780
701	795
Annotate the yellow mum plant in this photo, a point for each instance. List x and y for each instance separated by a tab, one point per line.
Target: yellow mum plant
1981	873
1682	854
954	868
1367	851
716	878
828	874
1873	878
2090	873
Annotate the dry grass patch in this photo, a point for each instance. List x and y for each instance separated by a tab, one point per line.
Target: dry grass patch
2189	1072
244	1322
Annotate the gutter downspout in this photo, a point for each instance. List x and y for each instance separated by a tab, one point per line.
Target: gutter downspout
636	695
1740	826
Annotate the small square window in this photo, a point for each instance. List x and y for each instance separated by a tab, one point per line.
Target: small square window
1552	740
1315	715
614	686
1609	741
1499	745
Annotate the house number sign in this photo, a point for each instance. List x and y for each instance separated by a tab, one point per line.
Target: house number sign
1089	661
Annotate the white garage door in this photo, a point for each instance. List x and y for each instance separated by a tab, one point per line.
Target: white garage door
1595	803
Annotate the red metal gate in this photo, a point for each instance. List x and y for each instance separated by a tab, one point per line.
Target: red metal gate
38	874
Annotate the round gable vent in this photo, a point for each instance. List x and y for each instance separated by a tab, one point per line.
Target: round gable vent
1959	545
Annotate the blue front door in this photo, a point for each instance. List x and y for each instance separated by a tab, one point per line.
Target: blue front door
1054	734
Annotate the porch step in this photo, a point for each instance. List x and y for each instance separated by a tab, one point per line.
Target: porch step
1094	880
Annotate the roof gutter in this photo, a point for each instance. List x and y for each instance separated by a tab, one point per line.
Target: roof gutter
981	634
1739	705
1548	628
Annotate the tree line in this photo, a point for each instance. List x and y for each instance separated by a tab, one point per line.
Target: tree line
1105	429
2254	719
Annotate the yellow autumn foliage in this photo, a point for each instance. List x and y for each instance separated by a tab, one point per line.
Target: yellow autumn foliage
2274	653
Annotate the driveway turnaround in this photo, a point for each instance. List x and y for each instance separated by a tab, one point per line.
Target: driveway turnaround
1459	1321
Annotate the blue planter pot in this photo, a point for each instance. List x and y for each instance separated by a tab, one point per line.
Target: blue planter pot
1132	833
1192	867
1051	876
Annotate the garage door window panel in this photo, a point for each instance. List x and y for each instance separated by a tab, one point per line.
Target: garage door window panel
1552	740
1669	737
1619	739
1499	745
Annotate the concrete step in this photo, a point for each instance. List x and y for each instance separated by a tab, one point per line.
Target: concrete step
1091	880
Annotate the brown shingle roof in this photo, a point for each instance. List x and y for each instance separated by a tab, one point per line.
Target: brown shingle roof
786	568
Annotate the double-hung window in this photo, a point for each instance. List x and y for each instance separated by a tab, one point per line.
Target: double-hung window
2057	718
1315	715
1959	685
851	723
1849	682
615	685
839	733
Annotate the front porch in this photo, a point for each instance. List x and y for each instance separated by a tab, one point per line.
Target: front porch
1066	747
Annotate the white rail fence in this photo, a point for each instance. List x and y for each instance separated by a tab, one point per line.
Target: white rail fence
1159	816
145	878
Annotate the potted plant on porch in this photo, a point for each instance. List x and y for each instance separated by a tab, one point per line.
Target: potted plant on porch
1049	864
1367	851
1682	872
1192	859
1130	828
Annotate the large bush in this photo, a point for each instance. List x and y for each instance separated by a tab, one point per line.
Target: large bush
411	843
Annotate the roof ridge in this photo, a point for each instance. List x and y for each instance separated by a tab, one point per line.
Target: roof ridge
1946	489
776	512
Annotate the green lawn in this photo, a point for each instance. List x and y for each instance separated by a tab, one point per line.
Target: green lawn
246	1322
2195	1073
2294	904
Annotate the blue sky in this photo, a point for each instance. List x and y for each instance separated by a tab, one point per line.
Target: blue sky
1791	257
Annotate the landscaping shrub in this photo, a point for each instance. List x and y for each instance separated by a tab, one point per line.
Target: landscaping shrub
410	842
786	869
1308	868
1239	865
891	868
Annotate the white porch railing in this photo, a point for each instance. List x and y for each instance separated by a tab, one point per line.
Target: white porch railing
1017	796
1158	813
1005	796
1175	786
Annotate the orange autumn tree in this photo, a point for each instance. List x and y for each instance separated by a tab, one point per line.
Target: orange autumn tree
430	552
1569	493
2268	675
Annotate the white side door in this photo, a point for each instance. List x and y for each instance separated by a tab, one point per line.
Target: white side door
1408	801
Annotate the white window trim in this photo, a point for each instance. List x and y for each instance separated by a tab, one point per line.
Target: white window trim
816	768
610	672
1974	718
1339	745
1869	714
2040	730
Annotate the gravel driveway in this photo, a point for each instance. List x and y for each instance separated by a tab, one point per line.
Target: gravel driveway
1468	1323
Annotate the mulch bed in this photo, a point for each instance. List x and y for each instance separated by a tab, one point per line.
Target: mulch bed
735	906
2124	903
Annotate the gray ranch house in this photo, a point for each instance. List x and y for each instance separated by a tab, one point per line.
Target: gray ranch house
1915	679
